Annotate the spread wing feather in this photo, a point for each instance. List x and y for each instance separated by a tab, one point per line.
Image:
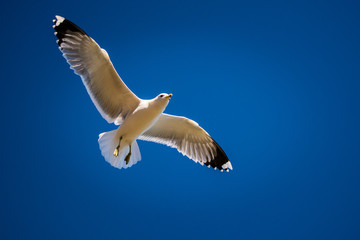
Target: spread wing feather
189	139
112	98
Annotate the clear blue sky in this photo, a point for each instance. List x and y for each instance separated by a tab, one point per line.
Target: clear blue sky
276	84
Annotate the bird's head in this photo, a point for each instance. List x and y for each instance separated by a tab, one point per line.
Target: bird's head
162	99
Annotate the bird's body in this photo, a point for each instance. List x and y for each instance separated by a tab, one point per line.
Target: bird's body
138	118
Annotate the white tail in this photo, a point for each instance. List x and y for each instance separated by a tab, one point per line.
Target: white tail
108	142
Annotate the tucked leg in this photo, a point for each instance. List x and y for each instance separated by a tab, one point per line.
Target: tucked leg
116	151
127	158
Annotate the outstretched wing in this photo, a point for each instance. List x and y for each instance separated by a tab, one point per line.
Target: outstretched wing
112	98
189	139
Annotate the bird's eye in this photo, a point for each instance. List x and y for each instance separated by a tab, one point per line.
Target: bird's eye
162	95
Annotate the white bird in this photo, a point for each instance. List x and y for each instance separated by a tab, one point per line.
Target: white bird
138	118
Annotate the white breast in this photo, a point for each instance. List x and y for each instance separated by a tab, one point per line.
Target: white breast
142	119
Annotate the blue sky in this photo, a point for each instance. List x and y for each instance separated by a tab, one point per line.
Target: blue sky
275	83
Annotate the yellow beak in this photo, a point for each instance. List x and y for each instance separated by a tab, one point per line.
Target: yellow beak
169	96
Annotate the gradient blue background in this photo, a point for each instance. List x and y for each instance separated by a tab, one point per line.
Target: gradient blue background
275	83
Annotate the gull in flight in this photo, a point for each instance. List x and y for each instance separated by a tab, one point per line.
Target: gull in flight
138	118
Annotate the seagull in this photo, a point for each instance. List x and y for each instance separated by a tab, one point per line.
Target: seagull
138	118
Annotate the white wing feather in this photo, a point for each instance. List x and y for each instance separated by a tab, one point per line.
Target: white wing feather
189	139
112	98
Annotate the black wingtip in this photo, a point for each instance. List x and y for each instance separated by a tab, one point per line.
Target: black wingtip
220	161
63	26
